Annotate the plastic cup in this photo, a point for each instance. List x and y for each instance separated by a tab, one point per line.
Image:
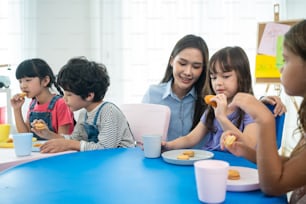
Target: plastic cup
151	145
4	132
22	143
211	178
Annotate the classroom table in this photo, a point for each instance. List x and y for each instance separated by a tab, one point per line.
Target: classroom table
8	158
121	175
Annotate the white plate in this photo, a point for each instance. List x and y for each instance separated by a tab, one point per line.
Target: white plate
171	156
37	149
248	180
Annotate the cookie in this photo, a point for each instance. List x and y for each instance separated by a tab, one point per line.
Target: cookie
233	174
190	153
183	157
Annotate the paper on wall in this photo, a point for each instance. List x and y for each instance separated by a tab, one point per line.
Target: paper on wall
268	42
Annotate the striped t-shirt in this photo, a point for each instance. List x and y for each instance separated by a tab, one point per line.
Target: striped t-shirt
112	125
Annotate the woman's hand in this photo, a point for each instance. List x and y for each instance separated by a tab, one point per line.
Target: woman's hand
279	108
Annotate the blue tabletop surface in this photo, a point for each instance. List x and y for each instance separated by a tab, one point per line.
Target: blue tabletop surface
112	176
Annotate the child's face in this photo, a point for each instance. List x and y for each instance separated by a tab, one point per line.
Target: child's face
187	68
73	101
224	82
293	75
31	85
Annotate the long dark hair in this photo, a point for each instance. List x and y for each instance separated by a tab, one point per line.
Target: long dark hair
191	41
229	59
295	41
37	68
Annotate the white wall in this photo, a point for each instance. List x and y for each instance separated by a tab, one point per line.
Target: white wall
134	37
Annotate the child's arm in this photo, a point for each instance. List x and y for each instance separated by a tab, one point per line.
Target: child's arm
221	114
60	145
16	103
64	117
276	175
64	129
188	141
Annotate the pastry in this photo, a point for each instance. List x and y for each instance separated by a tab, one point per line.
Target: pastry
39	126
22	95
37	145
207	100
9	140
190	153
229	140
233	174
183	157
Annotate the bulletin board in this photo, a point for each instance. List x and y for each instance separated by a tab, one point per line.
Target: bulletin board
269	50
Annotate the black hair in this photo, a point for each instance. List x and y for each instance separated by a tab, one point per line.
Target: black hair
37	68
82	77
191	41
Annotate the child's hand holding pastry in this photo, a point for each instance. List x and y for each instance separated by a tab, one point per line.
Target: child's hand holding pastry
234	143
39	125
40	128
18	100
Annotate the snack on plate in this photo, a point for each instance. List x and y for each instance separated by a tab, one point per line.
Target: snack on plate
229	140
207	100
190	153
183	157
37	145
22	95
233	174
39	126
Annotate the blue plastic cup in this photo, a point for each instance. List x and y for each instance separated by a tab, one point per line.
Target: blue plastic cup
22	143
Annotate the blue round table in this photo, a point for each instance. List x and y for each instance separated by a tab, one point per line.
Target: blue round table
112	176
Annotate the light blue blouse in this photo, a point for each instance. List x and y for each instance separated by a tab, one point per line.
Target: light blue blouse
182	110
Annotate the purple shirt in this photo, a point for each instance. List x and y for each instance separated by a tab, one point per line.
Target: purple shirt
212	139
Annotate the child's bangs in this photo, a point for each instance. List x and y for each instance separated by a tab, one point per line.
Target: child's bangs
26	69
221	61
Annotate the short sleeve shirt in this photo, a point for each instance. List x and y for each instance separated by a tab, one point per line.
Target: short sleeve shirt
212	139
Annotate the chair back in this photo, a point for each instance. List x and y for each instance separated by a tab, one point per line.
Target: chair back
146	118
279	125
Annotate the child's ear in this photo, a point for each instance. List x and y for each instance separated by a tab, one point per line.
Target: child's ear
90	96
45	81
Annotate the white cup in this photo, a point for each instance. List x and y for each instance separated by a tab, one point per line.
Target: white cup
211	178
151	145
22	143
